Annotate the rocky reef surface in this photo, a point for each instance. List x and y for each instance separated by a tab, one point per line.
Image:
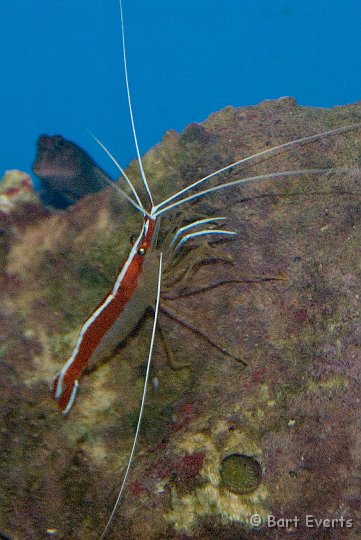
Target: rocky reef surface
220	441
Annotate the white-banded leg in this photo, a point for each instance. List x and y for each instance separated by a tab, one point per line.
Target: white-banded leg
179	240
188	261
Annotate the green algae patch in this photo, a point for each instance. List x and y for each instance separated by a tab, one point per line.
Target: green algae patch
336	382
240	473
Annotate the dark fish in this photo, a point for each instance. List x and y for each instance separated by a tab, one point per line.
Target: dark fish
66	172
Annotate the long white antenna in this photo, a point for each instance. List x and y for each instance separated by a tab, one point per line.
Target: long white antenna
136	436
122	172
115	186
130	107
283	146
249	179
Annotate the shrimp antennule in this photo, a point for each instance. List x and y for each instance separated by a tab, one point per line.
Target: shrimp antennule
123	173
273	150
131	108
249	179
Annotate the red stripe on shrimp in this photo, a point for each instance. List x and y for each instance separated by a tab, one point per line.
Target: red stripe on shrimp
102	319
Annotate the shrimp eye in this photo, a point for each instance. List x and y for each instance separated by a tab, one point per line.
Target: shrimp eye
141	251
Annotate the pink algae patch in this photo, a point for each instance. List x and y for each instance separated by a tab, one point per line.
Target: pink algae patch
190	465
136	488
301	315
182	468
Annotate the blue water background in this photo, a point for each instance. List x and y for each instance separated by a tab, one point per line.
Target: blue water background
62	69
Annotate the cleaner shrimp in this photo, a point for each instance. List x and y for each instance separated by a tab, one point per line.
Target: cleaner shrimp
139	282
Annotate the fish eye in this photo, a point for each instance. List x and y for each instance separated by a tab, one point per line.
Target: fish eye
141	251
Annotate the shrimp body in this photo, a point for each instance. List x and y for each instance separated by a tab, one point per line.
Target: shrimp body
114	318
